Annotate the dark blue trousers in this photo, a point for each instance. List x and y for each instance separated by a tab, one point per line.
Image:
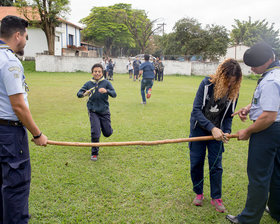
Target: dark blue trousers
263	171
146	84
15	175
197	157
160	76
99	122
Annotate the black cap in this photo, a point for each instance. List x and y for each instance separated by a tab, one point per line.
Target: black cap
146	57
258	54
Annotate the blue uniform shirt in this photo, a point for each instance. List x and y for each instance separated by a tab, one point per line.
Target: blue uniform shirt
267	95
148	70
12	81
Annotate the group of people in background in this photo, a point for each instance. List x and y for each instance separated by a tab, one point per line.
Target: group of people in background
159	67
108	68
133	68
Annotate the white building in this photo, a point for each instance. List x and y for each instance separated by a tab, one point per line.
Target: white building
236	52
66	35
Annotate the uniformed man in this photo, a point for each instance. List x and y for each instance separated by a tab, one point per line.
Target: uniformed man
15	118
263	166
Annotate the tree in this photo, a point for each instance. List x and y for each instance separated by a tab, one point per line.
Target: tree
169	45
118	26
249	33
217	41
104	26
190	36
49	12
191	39
140	27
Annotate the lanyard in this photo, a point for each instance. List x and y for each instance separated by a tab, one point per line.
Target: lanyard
95	86
265	73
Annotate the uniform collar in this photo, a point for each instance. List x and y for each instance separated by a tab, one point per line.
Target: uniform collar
5	46
97	81
272	66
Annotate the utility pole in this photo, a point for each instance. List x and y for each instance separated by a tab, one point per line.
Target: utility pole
162	26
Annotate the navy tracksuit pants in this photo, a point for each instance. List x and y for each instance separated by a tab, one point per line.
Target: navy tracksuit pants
15	176
99	123
197	157
263	171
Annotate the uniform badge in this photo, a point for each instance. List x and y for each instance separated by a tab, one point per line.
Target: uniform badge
14	68
16	75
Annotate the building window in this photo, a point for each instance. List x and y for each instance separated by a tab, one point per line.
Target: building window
71	38
57	38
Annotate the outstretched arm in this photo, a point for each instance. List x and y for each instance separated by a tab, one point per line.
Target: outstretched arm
264	121
243	112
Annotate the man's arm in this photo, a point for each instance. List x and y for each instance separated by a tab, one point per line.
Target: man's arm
264	121
24	115
243	112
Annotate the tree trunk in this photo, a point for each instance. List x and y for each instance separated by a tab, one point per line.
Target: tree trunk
50	35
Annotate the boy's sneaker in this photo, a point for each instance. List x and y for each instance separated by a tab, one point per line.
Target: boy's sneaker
93	157
218	204
198	200
149	93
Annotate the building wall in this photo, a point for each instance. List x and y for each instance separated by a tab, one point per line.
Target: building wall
50	63
235	52
67	29
208	68
37	42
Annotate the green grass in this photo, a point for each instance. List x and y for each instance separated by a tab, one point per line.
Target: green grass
131	184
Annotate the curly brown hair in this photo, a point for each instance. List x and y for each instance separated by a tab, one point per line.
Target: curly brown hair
225	71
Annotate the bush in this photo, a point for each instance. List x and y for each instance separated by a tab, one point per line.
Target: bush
29	66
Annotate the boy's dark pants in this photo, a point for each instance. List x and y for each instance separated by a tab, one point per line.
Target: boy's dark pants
99	122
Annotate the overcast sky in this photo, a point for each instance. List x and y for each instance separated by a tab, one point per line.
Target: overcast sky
218	12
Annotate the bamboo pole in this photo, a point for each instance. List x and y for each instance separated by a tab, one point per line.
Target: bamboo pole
158	142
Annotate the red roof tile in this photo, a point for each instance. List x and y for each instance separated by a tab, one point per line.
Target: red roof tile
10	10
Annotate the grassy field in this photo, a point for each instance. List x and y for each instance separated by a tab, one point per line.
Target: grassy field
132	184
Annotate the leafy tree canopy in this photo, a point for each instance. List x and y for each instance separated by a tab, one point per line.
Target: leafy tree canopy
105	26
190	39
249	33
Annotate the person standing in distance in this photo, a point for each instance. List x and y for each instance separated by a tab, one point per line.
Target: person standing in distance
136	64
15	118
148	71
263	165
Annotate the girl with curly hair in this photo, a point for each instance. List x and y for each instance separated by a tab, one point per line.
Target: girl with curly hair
213	106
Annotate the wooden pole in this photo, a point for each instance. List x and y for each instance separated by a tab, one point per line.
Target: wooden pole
158	142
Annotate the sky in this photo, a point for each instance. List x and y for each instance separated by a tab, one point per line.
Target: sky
217	12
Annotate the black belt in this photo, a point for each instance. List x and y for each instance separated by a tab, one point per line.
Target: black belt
11	123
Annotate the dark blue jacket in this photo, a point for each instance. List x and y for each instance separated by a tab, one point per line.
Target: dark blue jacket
148	70
136	64
204	93
98	102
